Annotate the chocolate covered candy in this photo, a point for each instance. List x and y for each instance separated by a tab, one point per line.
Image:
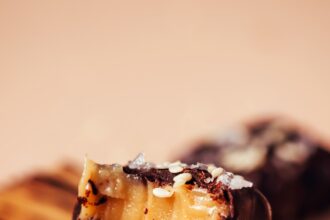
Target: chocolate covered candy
285	162
168	191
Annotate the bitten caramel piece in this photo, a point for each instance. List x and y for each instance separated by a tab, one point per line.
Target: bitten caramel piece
169	191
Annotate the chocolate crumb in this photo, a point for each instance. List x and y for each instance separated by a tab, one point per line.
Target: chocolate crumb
160	176
87	193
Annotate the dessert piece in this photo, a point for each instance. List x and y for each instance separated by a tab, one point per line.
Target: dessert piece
49	194
290	167
175	191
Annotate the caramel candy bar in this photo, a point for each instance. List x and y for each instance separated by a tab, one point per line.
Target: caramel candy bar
169	191
290	167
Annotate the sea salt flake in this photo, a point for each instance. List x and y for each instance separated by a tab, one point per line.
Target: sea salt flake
225	178
238	182
138	162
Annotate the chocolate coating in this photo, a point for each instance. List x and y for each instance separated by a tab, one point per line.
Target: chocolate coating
249	203
294	174
76	210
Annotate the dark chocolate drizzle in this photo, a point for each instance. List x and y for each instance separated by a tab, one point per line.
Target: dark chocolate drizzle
160	176
245	204
165	177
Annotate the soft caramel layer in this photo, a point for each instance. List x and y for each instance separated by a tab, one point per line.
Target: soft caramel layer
106	192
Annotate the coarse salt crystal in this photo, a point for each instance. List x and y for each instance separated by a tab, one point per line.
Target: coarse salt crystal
201	166
225	178
238	182
138	162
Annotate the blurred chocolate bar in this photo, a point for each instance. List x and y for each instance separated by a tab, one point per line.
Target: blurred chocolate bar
46	195
290	166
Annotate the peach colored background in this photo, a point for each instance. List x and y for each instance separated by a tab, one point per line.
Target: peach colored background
113	78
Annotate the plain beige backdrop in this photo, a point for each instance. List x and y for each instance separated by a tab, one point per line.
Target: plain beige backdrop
113	78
